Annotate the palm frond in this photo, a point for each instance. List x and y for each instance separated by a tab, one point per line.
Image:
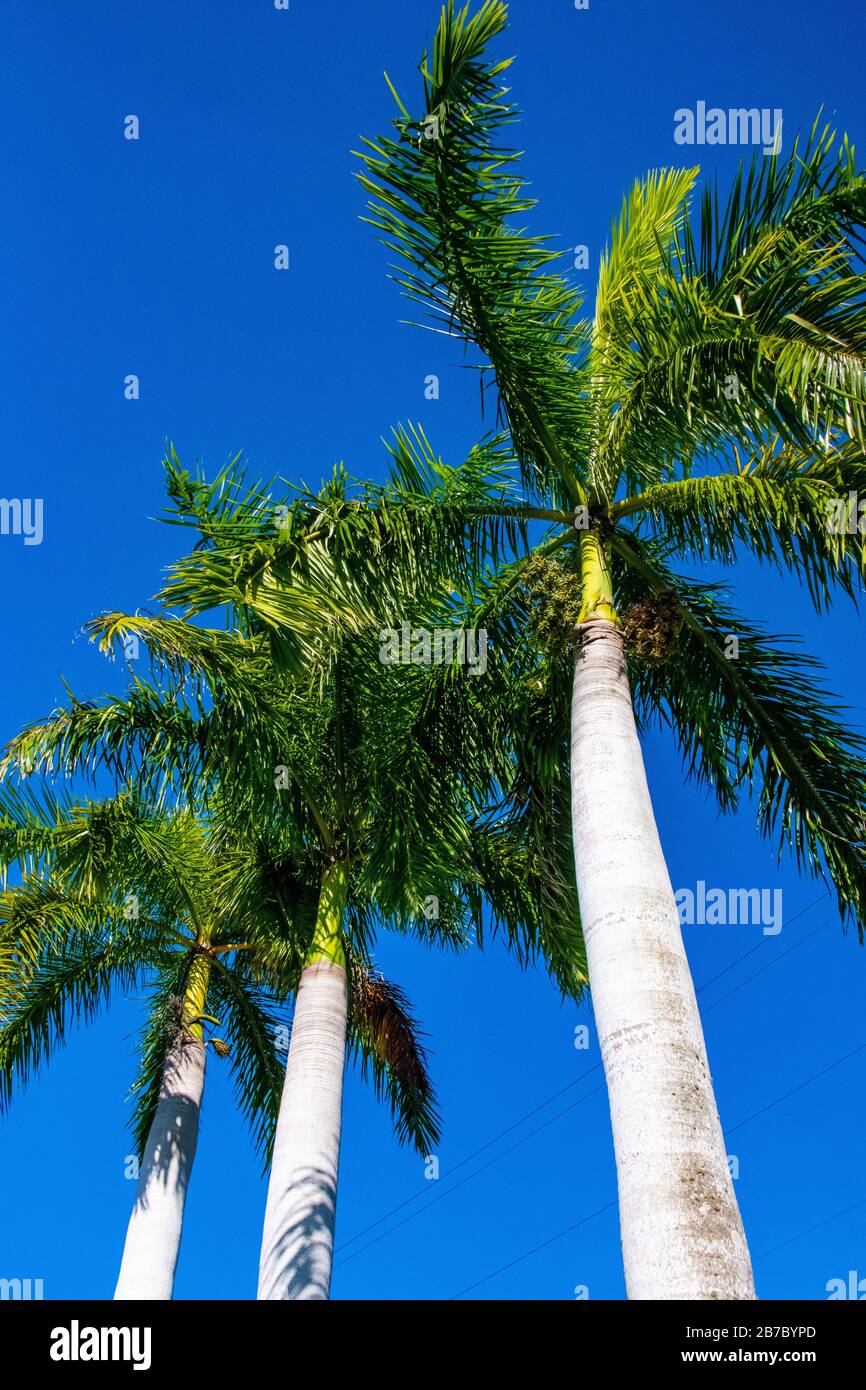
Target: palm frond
73	981
444	196
251	1017
752	715
756	325
782	505
384	1035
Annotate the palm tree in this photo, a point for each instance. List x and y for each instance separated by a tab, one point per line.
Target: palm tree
712	406
379	788
118	893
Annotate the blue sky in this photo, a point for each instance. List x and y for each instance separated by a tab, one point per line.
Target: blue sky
155	257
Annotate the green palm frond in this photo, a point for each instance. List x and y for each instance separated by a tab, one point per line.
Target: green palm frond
755	326
652	216
444	197
530	896
746	320
222	508
268	893
135	738
83	926
340	560
73	980
180	651
751	715
30	819
251	1018
40	913
267	561
781	505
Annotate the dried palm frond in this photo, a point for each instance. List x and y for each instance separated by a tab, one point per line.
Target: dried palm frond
383	1033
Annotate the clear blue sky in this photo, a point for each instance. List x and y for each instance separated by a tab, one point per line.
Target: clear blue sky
156	258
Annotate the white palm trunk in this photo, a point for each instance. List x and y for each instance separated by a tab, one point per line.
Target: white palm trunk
682	1235
298	1237
153	1237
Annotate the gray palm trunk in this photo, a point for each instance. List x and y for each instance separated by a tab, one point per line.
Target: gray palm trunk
298	1236
155	1227
682	1236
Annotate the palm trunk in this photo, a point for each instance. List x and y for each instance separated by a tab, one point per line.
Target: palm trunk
682	1235
298	1236
155	1227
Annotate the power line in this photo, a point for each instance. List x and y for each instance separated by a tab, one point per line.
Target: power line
802	1086
739	1125
447	1193
469	1157
809	1229
534	1251
395	1211
543	1246
781	956
761	943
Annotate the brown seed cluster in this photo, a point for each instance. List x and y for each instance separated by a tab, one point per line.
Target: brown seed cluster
651	628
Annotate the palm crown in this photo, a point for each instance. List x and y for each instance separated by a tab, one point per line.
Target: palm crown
404	774
210	919
711	407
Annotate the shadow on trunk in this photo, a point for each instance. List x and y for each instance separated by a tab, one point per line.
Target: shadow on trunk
302	1241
